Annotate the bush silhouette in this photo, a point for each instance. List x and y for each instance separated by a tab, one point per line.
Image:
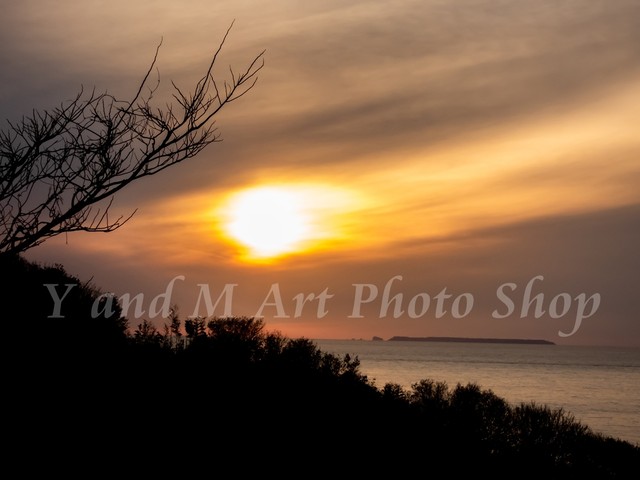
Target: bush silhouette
227	391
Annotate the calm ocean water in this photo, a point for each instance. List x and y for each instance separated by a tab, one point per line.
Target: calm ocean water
600	386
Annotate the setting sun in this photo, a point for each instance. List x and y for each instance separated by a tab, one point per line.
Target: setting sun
274	220
269	221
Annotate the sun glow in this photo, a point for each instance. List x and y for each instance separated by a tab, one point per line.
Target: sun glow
270	221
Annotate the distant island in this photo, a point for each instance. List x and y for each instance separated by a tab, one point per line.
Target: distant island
471	340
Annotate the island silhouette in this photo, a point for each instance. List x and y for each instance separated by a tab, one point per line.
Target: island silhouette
525	341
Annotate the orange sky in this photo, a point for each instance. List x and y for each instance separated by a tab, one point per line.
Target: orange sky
458	145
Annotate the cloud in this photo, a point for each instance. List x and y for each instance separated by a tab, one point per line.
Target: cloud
342	84
590	253
496	138
421	72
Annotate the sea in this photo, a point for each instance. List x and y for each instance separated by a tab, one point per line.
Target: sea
599	386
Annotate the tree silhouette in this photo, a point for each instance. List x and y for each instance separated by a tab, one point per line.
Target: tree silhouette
60	169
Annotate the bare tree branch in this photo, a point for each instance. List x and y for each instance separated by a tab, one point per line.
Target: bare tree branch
57	166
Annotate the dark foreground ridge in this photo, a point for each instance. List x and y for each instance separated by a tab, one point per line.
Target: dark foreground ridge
471	340
204	397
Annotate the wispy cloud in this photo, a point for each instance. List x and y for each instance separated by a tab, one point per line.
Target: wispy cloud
500	125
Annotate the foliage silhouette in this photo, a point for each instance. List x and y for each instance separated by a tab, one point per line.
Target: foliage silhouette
232	394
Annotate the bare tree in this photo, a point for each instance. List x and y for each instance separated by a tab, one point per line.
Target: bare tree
60	169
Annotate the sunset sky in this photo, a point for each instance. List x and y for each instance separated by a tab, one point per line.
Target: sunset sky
454	146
